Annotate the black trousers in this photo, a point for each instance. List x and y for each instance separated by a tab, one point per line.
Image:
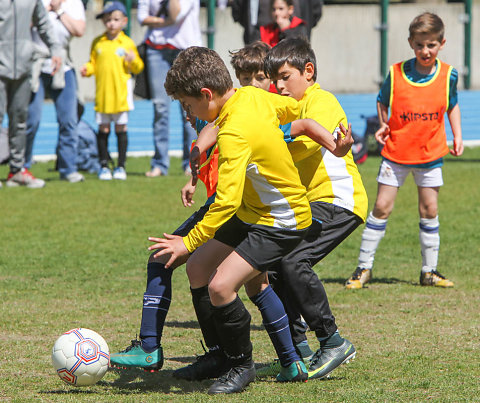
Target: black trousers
295	282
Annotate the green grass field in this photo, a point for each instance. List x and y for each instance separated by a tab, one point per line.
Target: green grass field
74	255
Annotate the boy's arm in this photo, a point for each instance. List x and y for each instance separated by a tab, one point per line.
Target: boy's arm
187	192
206	139
133	61
338	147
454	118
382	134
89	68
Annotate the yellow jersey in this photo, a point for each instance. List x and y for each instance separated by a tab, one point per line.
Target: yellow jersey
327	178
112	72
257	179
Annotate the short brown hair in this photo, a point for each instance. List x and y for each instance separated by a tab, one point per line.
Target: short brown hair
196	68
250	59
427	23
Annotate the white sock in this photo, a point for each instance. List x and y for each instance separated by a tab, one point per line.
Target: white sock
372	235
429	242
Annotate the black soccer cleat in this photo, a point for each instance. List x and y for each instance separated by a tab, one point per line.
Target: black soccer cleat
235	380
210	365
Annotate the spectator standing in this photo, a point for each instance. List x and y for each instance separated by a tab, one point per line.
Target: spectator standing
68	19
16	57
252	14
284	24
173	25
113	58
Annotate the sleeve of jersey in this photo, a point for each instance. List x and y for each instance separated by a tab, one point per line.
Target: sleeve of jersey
287	108
234	156
325	110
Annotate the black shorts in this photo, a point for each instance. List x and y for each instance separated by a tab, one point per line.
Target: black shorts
191	221
261	246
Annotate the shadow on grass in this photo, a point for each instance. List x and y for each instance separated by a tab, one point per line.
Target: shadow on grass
375	280
191	324
135	380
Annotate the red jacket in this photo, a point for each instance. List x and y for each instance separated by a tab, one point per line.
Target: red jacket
272	34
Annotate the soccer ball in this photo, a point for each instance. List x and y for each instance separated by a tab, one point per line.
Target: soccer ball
80	357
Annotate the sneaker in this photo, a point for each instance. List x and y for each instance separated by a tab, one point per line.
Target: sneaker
434	279
296	372
24	178
73	177
210	365
1	184
154	172
235	380
359	278
134	356
105	174
325	360
120	174
275	367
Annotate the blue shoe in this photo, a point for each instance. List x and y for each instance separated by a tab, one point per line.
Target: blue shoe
325	360
296	372
134	356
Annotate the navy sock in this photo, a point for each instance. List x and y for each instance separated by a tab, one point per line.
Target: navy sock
275	321
156	302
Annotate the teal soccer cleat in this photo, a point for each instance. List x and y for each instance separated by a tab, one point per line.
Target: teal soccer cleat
295	372
325	360
135	357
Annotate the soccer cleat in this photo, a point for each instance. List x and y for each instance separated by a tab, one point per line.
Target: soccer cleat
210	365
295	372
275	367
359	278
120	173
105	174
24	178
134	356
235	380
434	279
325	360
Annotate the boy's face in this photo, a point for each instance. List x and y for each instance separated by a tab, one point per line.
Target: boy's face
426	48
258	79
203	107
190	117
293	83
114	22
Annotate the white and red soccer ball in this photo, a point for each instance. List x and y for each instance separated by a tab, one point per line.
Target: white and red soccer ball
80	357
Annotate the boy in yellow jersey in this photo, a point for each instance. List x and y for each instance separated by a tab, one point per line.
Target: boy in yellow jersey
260	212
336	194
113	58
418	92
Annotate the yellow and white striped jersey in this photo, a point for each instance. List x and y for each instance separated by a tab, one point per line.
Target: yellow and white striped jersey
257	179
327	178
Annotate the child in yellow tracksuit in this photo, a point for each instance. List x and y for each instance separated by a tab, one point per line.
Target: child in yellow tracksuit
113	58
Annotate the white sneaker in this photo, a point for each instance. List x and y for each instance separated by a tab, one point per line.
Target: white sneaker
119	173
1	184
105	174
24	178
73	177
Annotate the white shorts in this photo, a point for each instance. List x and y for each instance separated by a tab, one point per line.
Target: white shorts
117	118
394	174
107	118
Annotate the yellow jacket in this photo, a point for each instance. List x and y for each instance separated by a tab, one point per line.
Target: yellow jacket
112	72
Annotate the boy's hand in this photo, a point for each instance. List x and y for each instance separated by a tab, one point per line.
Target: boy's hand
457	149
195	164
187	193
343	143
83	71
56	64
170	245
382	134
129	56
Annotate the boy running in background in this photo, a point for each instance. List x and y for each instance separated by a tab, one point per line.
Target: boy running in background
113	58
337	199
418	92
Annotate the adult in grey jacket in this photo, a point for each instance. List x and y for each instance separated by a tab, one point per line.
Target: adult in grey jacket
16	57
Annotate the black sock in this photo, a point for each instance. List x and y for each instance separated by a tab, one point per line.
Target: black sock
102	143
233	327
122	144
204	310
